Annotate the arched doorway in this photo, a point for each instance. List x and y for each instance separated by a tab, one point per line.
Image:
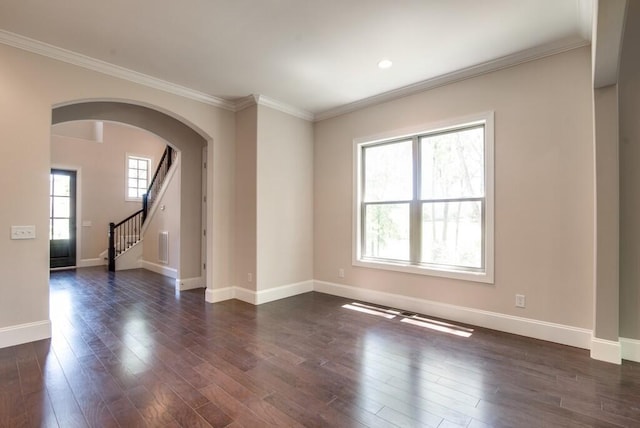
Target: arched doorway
192	146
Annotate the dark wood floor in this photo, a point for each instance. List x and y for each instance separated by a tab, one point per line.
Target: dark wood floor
128	351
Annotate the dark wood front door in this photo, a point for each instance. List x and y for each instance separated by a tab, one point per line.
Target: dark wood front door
62	218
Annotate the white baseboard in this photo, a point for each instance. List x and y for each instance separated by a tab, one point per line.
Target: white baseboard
630	349
23	333
606	350
558	333
161	269
282	292
258	297
82	263
219	294
245	295
183	284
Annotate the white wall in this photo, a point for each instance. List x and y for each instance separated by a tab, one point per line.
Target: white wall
284	199
102	178
165	217
544	238
245	209
31	86
629	106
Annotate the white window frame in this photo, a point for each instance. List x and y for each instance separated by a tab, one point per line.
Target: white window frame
485	276
126	174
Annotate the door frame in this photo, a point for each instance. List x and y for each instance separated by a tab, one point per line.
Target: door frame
78	212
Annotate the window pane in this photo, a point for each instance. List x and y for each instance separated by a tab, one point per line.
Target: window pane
61	207
60	228
452	233
133	173
142	184
143	165
387	231
453	164
132	192
388	170
61	185
133	163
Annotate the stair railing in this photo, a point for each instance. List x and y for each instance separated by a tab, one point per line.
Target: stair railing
148	199
126	233
123	235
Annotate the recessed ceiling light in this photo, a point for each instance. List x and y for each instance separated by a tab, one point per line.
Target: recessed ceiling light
385	63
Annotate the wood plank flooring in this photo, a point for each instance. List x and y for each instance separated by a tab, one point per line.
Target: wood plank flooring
129	351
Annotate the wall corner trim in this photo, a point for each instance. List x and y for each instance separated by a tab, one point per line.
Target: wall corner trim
558	333
183	284
606	350
215	295
82	263
258	297
630	349
272	294
23	333
162	270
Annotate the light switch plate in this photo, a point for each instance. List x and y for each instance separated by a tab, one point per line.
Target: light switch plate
23	232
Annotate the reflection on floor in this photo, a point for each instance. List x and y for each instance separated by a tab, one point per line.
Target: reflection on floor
127	351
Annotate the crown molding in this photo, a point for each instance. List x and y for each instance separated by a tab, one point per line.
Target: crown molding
466	73
100	66
259	99
103	67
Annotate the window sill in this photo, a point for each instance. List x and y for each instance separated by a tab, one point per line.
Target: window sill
483	277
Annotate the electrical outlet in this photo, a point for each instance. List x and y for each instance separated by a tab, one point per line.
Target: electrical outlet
520	301
341	273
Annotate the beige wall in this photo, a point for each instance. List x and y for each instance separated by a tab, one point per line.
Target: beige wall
165	217
245	208
101	181
606	300
284	199
629	106
544	239
31	85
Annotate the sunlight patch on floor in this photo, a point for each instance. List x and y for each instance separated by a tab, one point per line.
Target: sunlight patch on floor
365	310
417	320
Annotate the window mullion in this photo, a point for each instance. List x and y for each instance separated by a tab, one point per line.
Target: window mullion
416	209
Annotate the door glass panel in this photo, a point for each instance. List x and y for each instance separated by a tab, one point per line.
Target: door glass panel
60	228
61	207
61	185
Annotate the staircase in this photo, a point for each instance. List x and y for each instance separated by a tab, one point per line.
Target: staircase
124	236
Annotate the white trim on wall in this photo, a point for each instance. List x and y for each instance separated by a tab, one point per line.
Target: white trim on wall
606	350
258	297
219	294
630	349
23	333
162	270
70	57
558	333
91	262
183	284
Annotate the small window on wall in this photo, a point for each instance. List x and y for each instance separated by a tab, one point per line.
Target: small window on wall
138	169
425	200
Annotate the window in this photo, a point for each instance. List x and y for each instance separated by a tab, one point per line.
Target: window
137	177
425	201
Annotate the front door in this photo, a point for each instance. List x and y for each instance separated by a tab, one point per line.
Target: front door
62	218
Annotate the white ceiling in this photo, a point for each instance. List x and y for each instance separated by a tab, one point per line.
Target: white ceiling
317	56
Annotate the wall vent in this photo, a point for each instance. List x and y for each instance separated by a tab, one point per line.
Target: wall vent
163	247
